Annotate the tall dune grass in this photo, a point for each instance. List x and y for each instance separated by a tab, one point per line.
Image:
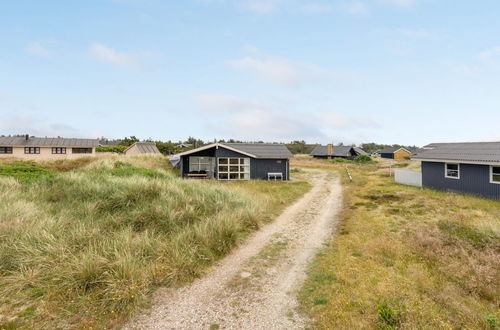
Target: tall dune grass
84	248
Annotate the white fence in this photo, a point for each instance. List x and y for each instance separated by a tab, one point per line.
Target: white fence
408	177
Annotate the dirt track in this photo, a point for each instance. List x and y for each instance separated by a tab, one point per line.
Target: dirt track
255	286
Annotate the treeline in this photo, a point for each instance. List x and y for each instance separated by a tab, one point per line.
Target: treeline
371	147
173	147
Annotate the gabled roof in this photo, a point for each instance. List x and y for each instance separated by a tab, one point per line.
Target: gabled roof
20	141
360	151
392	150
254	150
145	147
338	151
465	152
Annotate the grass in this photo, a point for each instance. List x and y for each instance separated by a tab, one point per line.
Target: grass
405	257
86	245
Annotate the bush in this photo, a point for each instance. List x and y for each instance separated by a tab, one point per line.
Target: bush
115	149
340	160
363	159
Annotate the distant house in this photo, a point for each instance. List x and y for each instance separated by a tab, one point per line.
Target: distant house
360	151
142	148
472	168
331	151
396	153
28	147
236	161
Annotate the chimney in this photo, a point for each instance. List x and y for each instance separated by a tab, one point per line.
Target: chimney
330	150
27	137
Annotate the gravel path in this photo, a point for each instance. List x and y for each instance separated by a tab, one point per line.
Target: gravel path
255	286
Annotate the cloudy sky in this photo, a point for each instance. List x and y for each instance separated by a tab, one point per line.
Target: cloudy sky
389	71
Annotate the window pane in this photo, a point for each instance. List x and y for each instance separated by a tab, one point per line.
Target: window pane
223	168
223	176
452	166
233	176
496	170
222	160
234	161
496	178
233	168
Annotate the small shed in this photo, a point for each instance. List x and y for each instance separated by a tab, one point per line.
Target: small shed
142	148
331	151
396	153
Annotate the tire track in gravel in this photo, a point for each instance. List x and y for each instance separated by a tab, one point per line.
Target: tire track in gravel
255	287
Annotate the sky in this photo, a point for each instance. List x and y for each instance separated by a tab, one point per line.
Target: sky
410	72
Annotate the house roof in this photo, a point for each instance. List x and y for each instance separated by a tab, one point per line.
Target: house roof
145	147
254	150
360	151
338	151
20	141
466	152
392	150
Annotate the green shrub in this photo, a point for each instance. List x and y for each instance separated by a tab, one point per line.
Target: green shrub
340	160
24	171
363	159
389	314
116	149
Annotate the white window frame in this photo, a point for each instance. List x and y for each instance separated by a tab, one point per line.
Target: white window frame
446	171
491	174
242	162
207	162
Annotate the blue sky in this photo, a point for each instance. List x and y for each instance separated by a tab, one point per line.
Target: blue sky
388	71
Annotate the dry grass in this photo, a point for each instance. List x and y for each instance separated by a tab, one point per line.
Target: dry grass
407	257
83	248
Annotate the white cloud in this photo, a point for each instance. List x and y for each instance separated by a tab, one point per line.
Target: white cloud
357	8
280	70
40	48
29	124
110	55
257	120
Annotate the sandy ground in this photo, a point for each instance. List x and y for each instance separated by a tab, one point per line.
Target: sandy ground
255	286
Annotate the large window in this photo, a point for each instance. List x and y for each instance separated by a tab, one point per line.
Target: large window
233	169
201	164
31	150
82	150
59	150
5	150
495	174
452	171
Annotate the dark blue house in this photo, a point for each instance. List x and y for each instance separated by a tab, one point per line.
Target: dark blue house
237	161
472	168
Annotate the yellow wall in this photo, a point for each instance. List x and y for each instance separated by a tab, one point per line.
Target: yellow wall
402	155
45	153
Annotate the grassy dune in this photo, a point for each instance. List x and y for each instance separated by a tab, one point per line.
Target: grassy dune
406	257
85	247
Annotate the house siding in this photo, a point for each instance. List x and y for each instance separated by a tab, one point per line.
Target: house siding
45	153
387	155
474	179
259	167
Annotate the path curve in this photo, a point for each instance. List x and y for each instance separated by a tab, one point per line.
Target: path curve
255	286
